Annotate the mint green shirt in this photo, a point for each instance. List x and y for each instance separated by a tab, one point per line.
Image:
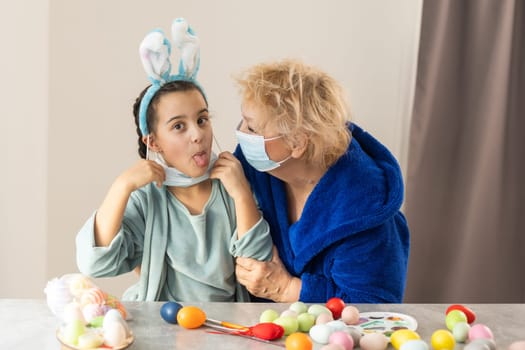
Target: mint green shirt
183	257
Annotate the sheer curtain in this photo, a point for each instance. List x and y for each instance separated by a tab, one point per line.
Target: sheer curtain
466	170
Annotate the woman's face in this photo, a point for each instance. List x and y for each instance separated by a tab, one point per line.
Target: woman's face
253	119
183	132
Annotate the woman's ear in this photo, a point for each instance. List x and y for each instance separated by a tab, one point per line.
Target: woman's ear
150	142
299	145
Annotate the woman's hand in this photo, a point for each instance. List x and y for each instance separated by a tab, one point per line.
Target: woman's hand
268	279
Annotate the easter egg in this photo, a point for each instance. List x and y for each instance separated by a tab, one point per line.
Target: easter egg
401	336
338	325
114	334
471	316
90	340
343	339
373	341
298	341
480	331
299	307
289	312
442	339
481	344
320	333
517	345
453	317
267	331
305	321
460	332
350	315
324	318
191	317
72	331
336	305
317	309
268	315
414	344
290	324
169	310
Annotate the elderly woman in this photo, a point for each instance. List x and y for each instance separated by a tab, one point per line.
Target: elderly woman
330	191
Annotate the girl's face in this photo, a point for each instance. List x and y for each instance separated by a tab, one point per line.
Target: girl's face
184	134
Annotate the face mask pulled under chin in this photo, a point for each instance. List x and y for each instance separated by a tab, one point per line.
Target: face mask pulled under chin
254	151
177	178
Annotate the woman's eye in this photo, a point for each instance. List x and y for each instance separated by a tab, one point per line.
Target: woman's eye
177	126
250	129
202	120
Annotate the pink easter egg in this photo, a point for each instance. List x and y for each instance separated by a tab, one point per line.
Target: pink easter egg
517	345
342	338
478	331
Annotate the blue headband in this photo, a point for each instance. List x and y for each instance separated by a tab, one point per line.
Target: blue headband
155	50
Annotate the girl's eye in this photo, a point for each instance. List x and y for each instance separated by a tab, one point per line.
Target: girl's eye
203	120
177	126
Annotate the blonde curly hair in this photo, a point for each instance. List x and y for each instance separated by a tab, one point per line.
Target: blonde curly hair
302	100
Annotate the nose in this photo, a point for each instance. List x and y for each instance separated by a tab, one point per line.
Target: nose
196	134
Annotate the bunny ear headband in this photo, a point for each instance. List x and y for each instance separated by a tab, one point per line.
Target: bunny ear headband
155	50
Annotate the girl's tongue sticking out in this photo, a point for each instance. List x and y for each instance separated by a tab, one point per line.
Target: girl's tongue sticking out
201	159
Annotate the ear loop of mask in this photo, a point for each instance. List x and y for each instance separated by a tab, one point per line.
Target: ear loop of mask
217	144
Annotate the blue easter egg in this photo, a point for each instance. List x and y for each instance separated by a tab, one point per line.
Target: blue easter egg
169	311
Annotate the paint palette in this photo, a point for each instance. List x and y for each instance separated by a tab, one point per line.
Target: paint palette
384	322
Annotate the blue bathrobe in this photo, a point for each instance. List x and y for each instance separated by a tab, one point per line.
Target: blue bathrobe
351	240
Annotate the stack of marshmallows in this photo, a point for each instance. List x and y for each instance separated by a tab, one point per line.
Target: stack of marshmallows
89	317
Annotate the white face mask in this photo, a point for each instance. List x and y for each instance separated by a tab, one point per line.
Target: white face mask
254	150
175	177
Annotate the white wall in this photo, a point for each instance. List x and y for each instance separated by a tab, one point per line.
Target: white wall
88	136
24	97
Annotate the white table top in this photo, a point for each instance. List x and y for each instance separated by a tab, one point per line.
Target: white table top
29	324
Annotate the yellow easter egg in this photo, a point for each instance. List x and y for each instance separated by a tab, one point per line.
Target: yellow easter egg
401	336
442	340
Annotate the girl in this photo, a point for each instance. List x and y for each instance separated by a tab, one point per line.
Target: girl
182	216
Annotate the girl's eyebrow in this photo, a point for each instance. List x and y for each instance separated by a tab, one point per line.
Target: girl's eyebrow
183	116
174	118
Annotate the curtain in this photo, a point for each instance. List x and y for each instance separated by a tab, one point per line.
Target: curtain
465	192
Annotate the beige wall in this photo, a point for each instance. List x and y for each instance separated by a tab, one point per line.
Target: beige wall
78	135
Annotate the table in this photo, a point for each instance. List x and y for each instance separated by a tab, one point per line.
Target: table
29	324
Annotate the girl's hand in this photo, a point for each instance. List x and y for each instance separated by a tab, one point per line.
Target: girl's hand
142	173
268	279
229	171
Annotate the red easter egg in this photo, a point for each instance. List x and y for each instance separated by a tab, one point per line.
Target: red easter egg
267	331
336	305
471	316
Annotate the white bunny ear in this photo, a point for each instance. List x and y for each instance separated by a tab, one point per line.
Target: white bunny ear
154	52
189	45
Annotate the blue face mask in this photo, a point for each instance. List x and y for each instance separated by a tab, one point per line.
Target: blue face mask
254	150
